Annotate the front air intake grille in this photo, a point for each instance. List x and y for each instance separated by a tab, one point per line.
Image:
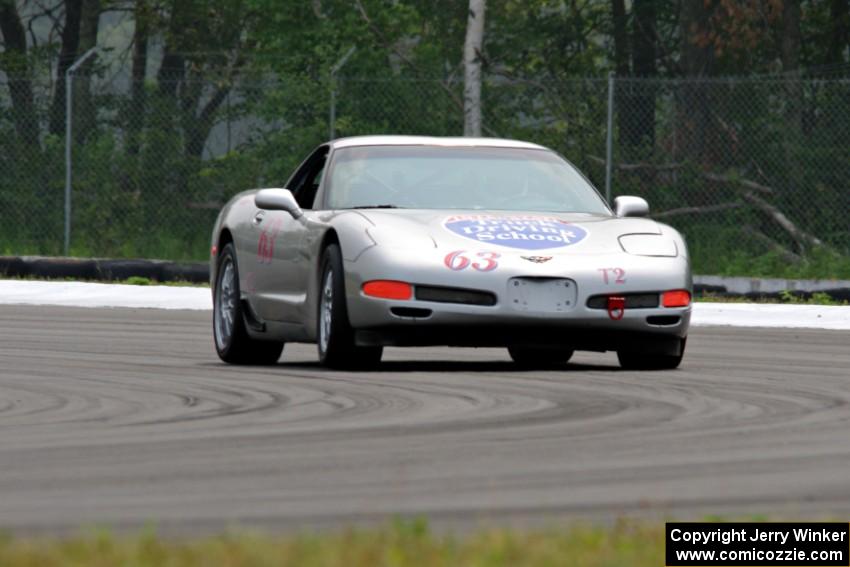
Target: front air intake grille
413	312
663	320
454	295
633	301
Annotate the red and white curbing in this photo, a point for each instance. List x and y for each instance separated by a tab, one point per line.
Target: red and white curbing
79	294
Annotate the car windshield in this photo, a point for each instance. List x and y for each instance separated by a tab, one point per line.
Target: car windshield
426	177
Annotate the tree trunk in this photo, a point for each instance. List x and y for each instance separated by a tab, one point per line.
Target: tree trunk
791	44
86	118
791	39
644	38
16	66
839	36
622	70
136	111
67	54
697	58
199	129
792	182
641	131
697	53
621	38
472	68
172	70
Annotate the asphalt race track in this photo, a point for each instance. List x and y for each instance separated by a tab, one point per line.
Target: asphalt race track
123	417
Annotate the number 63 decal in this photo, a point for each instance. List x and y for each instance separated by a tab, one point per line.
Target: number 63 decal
460	260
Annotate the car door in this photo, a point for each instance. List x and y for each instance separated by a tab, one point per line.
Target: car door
282	262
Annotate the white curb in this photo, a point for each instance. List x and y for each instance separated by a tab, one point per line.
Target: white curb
78	294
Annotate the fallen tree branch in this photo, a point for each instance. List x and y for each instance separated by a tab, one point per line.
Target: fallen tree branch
697	210
740	181
205	206
772	245
801	237
752	185
639	166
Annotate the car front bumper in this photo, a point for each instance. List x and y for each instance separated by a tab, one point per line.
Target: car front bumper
388	322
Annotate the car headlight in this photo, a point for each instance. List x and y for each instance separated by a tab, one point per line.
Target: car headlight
648	245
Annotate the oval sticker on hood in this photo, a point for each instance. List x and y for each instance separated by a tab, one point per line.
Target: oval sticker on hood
522	231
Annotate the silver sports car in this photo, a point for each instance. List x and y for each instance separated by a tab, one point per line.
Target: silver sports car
411	241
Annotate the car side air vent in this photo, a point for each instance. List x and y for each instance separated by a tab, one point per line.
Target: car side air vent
454	295
633	301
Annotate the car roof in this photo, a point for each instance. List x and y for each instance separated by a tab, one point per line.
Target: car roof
435	141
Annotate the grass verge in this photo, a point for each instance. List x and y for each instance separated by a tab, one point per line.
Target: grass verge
400	544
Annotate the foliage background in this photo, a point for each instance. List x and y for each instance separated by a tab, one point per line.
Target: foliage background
732	118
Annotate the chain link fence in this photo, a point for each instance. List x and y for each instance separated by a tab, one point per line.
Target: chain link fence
745	168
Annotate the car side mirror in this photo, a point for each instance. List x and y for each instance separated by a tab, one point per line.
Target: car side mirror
629	206
278	200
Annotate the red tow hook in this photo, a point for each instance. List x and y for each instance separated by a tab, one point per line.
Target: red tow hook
616	307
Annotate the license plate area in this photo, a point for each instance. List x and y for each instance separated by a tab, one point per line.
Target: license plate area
542	295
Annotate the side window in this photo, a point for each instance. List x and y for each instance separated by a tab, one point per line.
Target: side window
304	183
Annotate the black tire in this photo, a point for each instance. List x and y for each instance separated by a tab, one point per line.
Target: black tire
232	342
631	360
539	357
335	340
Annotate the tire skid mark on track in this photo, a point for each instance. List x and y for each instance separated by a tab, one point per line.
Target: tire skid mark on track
114	422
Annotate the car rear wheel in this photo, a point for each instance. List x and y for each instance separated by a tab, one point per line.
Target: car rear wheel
631	360
335	335
539	357
232	342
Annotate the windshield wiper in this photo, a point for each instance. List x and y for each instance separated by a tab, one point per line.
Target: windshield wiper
377	207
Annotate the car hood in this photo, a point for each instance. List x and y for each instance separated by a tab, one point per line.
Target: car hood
527	232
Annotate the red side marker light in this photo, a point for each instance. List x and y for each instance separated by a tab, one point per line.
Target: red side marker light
388	289
616	307
676	298
214	250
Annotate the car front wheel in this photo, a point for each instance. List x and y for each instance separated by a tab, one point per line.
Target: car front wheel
335	341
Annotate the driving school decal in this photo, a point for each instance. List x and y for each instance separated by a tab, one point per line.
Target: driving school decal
524	232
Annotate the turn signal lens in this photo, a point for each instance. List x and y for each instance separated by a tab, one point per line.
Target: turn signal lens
676	298
387	289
